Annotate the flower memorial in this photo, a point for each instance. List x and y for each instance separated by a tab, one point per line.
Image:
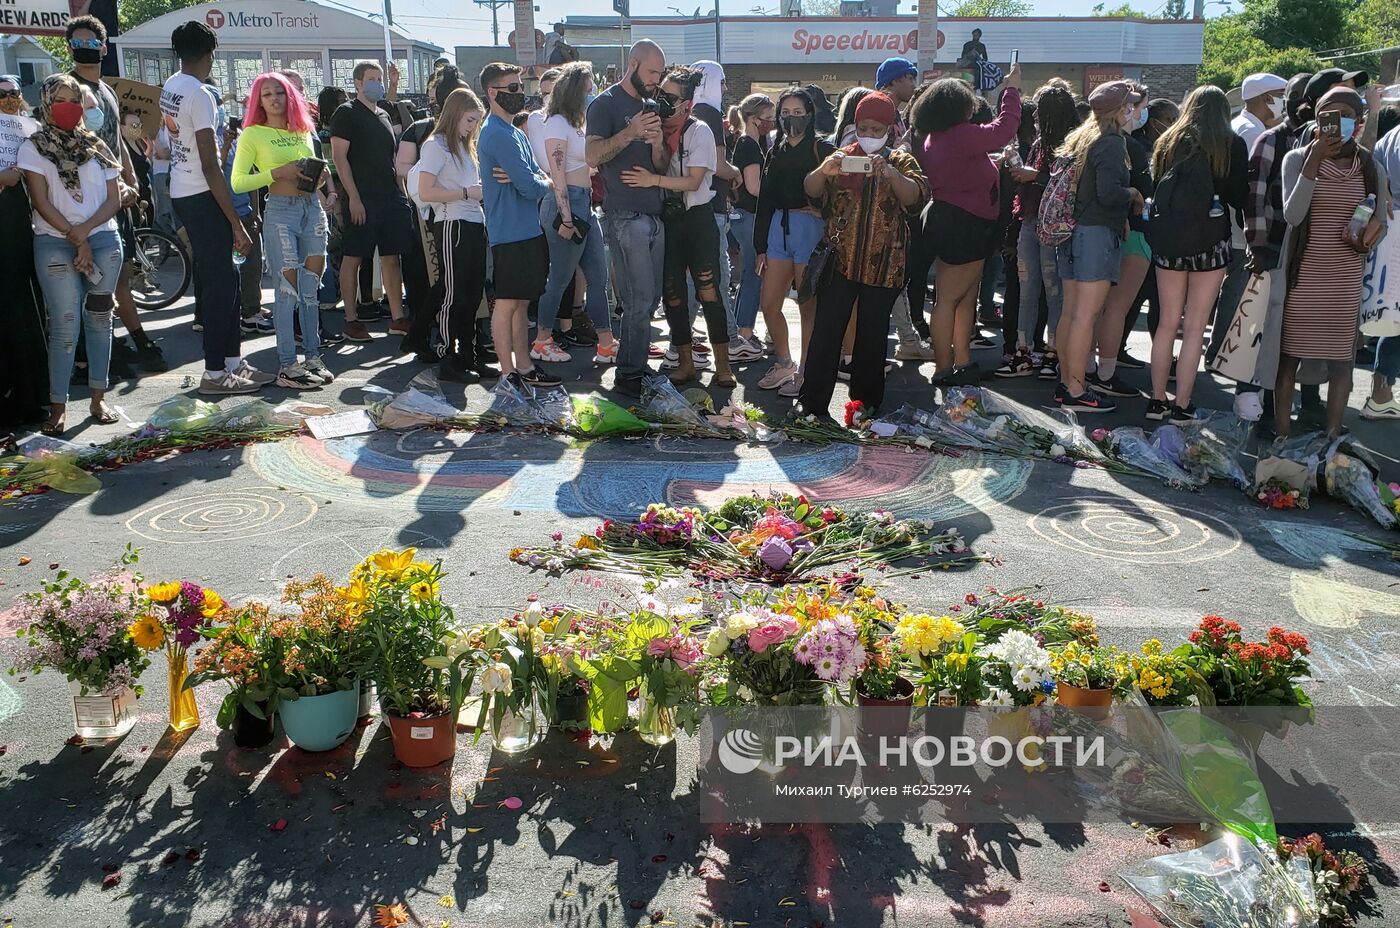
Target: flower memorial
775	539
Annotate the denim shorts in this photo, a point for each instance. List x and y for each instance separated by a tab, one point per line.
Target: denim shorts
1092	253
797	244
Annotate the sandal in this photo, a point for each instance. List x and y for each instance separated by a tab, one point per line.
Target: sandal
53	429
102	414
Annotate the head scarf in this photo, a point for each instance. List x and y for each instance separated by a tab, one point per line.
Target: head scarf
874	105
710	89
68	151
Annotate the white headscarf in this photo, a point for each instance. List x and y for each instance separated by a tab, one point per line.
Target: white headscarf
710	90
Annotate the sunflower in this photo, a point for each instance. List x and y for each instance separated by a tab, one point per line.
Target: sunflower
163	592
213	604
147	632
423	591
393	563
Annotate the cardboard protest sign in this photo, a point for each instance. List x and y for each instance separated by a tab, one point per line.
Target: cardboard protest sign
1380	290
139	98
1240	349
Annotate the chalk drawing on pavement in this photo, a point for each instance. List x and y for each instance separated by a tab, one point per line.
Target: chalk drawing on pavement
448	472
1334	604
247	512
10	702
1315	545
1135	531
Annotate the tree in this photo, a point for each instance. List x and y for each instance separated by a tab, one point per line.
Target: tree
131	13
1316	24
1123	9
1232	51
989	9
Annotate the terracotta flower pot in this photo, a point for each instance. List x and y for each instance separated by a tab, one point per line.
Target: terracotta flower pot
423	742
1096	704
886	717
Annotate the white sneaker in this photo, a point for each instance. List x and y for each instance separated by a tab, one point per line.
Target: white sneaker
317	368
1374	410
249	372
226	384
297	377
780	373
914	351
743	350
1249	407
672	360
548	351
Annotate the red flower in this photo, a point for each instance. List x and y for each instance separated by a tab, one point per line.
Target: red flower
853	411
1194	637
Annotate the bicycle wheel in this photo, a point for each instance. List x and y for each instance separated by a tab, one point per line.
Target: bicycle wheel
161	269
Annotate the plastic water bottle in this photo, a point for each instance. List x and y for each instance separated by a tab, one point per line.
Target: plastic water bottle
1146	209
1217	209
238	259
1361	217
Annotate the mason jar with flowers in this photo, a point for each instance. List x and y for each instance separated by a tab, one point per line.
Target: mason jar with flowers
667	665
87	631
756	661
179	614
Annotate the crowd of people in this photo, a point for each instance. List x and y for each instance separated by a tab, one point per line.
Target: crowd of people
509	238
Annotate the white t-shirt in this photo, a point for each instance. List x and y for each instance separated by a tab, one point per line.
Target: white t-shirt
162	165
186	106
92	183
698	144
13	131
1248	127
557	128
454	174
534	131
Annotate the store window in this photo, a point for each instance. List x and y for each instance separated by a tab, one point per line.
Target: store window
307	64
343	61
234	72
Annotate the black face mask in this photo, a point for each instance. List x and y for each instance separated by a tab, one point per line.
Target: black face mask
795	125
641	88
667	104
86	55
512	103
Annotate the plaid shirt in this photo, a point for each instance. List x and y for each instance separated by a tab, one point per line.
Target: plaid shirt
1264	226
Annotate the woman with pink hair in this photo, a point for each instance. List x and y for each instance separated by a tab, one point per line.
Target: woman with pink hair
278	149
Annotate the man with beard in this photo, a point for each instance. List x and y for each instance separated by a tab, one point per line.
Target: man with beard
624	132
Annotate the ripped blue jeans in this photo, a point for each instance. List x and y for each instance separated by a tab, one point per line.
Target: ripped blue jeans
294	232
1039	273
76	305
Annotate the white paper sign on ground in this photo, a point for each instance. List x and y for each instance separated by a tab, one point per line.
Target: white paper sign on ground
355	422
1240	350
1380	289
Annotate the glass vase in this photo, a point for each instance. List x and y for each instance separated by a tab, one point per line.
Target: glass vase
523	728
184	712
656	724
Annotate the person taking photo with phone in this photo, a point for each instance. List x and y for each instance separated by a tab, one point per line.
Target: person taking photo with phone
277	150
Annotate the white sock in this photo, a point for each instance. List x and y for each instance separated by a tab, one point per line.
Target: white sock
231	364
1107	367
846	358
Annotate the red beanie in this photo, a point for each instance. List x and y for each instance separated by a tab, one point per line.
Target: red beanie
877	106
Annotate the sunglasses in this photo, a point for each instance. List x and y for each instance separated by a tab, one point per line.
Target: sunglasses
8	94
511	88
668	98
85	43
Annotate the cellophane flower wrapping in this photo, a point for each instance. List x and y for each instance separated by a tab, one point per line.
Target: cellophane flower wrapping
662	402
1352	480
512	404
553	408
1211	448
1132	446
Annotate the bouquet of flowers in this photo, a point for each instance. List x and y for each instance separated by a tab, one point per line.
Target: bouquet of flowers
179	613
1248	673
1132	449
1003	432
1211	448
1165	678
1016	671
995	613
248	657
1390	496
774	539
1351	479
944	654
924	429
85	630
1275	493
747	420
1337	876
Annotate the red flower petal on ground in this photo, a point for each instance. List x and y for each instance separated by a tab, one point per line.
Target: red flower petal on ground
170	858
1104	887
192	854
111	880
279	825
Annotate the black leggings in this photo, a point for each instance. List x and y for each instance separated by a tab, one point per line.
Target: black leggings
835	300
462	250
692	246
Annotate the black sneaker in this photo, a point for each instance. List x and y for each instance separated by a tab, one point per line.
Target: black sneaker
485	371
982	341
1113	386
573	338
628	386
1157	410
452	371
1130	362
256	325
969	375
1049	368
331	338
1017	365
1088	401
1061	394
539	378
818	416
1187	414
369	312
487	353
843	372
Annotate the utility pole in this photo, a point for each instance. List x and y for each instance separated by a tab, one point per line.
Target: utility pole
495	5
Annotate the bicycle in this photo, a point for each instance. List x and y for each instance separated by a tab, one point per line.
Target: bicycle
160	265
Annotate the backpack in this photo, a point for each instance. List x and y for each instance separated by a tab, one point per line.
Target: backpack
1180	224
410	182
1056	220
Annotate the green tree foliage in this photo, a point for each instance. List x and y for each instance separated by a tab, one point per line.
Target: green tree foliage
986	9
1233	50
1316	24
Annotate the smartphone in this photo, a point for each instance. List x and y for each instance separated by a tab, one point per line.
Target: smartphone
312	168
1015	57
856	164
580	228
1329	123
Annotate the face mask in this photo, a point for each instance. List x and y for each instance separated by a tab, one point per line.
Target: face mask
86	55
1276	108
1348	128
66	116
640	87
373	91
1141	120
666	105
871	145
795	125
512	103
10	105
94	118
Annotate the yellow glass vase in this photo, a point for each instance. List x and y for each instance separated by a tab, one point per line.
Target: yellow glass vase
184	712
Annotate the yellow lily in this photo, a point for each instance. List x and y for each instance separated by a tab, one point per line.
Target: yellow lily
393	563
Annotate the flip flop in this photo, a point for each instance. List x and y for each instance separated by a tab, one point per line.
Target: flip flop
104	416
53	430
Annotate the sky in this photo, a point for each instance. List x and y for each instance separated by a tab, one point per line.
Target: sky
460	22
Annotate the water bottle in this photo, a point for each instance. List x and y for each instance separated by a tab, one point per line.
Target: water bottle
238	259
1361	217
1217	209
1147	209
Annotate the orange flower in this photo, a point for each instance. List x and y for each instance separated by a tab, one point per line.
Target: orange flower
390	916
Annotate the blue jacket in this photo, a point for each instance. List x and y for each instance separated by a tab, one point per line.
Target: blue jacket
513	209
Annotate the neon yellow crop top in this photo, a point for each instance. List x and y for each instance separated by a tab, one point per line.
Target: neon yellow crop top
266	149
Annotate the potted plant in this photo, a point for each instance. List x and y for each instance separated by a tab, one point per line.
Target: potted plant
179	614
89	631
323	654
1167	679
405	623
248	657
1087	677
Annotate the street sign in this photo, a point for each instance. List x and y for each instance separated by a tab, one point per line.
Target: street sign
622	8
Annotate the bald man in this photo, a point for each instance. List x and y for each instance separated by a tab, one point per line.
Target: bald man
623	132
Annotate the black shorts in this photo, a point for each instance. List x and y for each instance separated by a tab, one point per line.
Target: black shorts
520	270
955	236
388	228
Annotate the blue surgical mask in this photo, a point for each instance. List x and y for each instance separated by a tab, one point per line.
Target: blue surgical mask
373	91
1348	128
93	118
1141	119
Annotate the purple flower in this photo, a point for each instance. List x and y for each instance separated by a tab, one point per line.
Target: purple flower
557	536
193	596
776	553
186	637
1039	638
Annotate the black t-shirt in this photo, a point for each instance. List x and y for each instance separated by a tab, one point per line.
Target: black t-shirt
1140	170
712	118
787	167
747	151
416	133
371	155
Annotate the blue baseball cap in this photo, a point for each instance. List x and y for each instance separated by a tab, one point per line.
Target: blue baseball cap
892	69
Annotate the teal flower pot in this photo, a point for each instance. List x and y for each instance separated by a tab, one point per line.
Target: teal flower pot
320	723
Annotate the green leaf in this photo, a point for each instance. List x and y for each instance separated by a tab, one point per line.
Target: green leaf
607	705
227	708
437	662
